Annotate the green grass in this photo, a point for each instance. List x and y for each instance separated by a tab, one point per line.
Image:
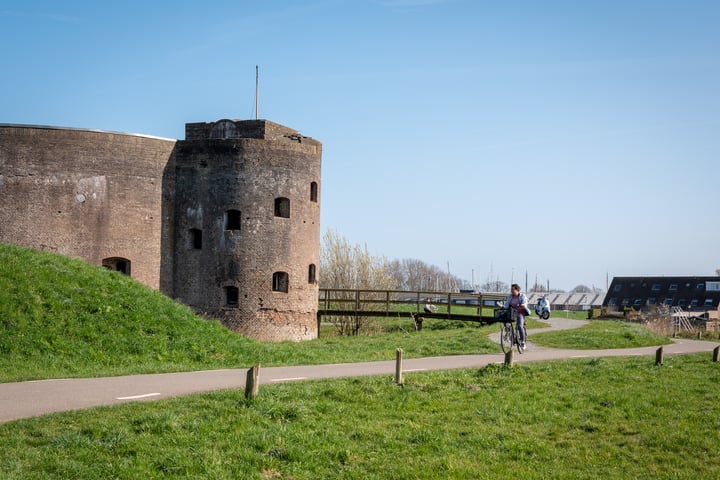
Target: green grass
601	334
576	419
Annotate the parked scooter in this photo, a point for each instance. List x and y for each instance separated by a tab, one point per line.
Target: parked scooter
542	308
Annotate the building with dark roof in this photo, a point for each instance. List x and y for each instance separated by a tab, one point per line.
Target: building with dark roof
693	294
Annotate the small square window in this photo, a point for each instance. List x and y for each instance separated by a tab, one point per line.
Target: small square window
673	287
656	287
232	220
617	288
668	301
708	302
694	302
681	302
613	301
231	296
280	281
625	302
637	302
652	301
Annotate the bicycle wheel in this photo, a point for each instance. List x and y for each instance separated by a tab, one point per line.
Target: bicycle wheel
506	337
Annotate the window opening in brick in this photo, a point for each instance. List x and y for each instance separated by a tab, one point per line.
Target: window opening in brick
313	192
118	264
232	220
282	207
196	238
231	296
311	274
280	282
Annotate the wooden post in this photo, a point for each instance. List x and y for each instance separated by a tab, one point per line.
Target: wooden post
699	335
659	356
509	358
716	353
398	366
251	384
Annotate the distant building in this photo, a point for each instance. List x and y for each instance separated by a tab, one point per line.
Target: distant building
694	294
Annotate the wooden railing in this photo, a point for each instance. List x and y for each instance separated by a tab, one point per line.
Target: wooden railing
384	303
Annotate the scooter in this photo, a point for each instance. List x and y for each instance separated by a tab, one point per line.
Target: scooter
542	308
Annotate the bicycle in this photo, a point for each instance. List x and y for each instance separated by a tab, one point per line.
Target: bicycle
509	336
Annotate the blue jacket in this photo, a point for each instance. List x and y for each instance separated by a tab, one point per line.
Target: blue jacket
523	300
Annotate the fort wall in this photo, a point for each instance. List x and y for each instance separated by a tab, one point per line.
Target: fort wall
226	221
86	194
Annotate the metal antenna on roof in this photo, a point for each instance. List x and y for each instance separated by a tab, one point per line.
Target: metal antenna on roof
257	80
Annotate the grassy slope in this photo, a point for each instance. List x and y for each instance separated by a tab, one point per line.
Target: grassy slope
63	317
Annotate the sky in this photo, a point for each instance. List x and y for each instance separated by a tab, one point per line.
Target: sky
560	140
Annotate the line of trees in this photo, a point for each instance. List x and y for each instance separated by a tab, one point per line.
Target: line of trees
351	266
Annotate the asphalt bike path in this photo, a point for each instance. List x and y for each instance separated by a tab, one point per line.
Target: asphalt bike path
28	399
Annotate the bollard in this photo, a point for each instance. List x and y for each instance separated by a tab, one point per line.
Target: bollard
251	384
659	356
398	366
509	358
716	353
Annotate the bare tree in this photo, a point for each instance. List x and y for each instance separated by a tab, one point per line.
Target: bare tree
344	266
581	289
495	286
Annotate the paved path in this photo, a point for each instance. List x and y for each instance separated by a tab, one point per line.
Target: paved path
28	399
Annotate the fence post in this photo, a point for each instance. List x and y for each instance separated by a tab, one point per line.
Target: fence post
509	358
251	384
398	366
716	353
659	356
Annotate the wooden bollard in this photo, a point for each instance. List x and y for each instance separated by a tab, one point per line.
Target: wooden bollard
716	353
251	384
509	358
398	366
659	356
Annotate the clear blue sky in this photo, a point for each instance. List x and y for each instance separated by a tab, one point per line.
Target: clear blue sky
572	140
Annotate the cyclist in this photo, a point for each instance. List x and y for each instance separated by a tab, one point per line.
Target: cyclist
518	303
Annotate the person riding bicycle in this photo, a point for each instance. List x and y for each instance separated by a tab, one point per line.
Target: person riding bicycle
518	303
